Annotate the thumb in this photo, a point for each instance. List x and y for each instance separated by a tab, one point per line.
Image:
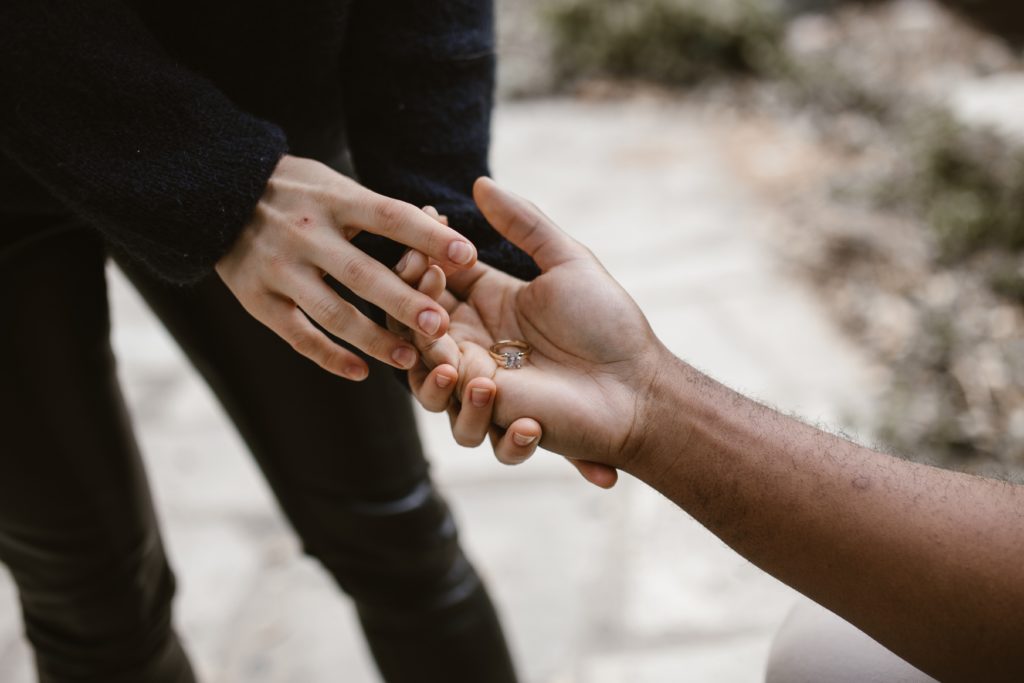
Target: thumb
525	226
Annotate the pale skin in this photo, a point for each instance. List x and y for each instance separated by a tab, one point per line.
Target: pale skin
928	562
301	231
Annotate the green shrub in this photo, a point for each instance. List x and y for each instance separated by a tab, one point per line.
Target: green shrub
969	185
674	42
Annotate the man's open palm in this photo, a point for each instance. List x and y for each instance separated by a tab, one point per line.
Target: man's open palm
591	344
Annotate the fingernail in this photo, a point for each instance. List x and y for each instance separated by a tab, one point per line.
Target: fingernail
443	381
400	266
356	372
429	322
404	356
480	397
523	439
460	252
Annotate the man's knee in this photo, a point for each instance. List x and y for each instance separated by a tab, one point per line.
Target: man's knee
815	645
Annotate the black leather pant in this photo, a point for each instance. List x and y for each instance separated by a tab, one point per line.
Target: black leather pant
77	528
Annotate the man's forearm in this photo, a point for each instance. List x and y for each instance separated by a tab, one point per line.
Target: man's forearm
926	561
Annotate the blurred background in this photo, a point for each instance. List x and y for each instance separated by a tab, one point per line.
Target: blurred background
817	202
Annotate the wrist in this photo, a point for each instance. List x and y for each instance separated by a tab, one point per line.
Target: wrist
668	410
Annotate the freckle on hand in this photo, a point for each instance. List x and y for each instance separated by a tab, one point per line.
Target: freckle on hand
862	483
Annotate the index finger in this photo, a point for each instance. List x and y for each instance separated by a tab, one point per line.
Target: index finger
405	224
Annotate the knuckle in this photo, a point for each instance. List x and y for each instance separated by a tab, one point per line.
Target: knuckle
306	344
529	225
262	215
357	274
344	189
273	186
331	312
257	300
285	227
330	357
389	215
379	346
275	261
300	245
248	289
326	199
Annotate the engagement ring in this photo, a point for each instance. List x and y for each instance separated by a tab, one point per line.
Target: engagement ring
513	355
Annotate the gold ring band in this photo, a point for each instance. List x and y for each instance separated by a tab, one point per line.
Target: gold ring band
511	360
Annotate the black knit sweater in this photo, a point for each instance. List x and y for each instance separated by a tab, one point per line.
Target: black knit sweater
160	122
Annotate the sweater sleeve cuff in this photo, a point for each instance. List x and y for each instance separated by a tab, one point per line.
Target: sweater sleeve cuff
208	227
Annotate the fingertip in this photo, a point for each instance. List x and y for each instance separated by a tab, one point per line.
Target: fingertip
435	389
516	453
446	323
433	282
525	432
606	479
519	442
445	376
480	394
405	357
599	475
483	183
419	260
413	265
356	373
404	261
485	382
524	440
462	253
431	321
482	189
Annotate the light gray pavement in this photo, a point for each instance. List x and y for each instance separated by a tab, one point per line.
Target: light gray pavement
595	587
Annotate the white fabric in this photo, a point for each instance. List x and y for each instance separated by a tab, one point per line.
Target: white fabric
816	646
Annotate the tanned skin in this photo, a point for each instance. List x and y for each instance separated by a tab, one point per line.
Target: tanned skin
928	562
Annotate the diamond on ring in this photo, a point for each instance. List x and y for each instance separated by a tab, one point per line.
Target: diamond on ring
511	353
513	360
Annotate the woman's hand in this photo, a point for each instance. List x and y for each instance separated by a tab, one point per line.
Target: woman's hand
594	354
300	232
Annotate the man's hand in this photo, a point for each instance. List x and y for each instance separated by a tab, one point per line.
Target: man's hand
300	232
925	561
594	354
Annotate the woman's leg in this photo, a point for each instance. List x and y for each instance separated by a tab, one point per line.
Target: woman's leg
344	460
77	528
